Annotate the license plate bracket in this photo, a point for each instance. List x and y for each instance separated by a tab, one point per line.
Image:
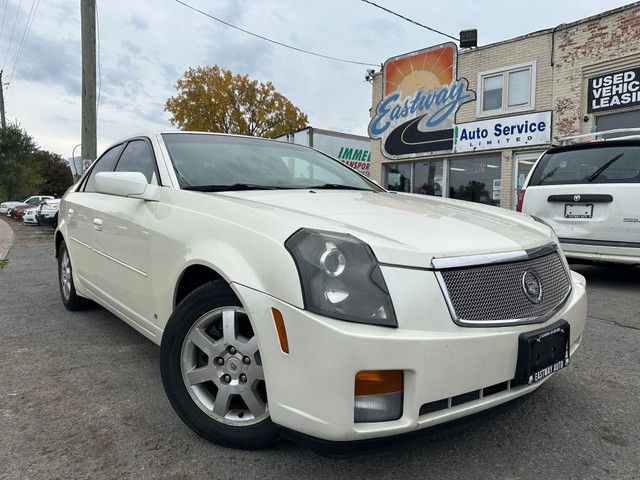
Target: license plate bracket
581	210
542	352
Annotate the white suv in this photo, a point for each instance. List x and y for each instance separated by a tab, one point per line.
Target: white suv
589	192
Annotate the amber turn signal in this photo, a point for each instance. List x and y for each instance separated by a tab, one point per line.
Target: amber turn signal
282	331
379	382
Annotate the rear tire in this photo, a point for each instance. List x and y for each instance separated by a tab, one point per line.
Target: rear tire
212	370
70	298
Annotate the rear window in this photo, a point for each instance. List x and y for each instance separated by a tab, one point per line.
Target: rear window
594	164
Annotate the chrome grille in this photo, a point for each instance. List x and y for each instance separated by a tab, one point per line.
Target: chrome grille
494	294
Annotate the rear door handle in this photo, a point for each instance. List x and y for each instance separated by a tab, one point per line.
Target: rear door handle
70	213
97	224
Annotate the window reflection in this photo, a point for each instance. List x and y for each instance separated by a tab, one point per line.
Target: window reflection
428	178
399	177
476	179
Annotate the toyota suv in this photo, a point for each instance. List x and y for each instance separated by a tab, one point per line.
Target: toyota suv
588	190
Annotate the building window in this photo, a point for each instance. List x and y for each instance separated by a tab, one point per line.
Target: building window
399	177
476	179
507	90
427	178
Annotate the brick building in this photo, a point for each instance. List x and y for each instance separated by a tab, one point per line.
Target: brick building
470	124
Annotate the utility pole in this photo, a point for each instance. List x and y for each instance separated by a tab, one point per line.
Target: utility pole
89	110
4	121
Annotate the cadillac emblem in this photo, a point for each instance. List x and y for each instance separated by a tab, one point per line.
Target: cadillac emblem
532	287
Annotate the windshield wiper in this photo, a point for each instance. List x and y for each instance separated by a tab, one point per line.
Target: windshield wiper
335	186
251	186
548	175
229	188
597	173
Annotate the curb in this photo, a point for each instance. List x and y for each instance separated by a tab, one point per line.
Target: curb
6	238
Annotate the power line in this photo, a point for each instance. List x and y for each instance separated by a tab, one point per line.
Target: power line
274	41
4	14
12	32
409	20
98	57
25	35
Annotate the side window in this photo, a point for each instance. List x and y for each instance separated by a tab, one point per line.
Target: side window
104	164
138	157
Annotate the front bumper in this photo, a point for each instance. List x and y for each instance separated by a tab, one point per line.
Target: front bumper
450	372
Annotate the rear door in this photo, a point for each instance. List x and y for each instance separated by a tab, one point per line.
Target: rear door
588	192
77	211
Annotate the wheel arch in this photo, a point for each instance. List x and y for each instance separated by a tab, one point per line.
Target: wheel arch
59	238
269	269
193	277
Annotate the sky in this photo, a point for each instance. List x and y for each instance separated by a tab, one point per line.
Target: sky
145	46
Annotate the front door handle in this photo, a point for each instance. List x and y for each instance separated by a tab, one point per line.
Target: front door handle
97	224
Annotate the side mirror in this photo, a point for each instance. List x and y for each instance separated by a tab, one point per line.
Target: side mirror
127	184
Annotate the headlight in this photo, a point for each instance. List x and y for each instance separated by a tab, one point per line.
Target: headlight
341	278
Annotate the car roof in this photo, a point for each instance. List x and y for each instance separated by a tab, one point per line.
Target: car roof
618	134
155	133
613	142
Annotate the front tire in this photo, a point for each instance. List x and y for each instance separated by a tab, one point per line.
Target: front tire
212	370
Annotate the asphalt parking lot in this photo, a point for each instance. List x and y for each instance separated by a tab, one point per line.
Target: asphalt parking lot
81	397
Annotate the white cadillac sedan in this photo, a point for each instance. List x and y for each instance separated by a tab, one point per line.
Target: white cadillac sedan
290	295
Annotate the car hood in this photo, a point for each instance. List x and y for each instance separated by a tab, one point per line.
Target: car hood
403	229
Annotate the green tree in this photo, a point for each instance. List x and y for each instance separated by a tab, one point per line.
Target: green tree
19	170
55	172
212	99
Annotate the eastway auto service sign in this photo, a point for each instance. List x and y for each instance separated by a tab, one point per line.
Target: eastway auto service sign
421	97
614	90
504	132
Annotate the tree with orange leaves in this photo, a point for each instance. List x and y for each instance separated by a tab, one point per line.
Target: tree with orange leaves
212	99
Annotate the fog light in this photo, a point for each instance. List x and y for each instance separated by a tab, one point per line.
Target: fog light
379	396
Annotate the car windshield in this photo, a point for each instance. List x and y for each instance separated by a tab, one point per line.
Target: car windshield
223	163
589	164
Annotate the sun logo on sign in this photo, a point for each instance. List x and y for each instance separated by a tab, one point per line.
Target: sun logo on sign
427	70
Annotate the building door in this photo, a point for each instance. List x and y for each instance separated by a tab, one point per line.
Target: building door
522	165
